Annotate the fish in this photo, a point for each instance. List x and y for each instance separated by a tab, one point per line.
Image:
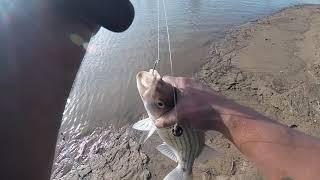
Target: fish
185	147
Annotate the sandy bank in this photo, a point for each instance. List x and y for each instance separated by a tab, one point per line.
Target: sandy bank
271	65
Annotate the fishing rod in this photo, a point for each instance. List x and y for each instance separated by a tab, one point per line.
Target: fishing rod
176	130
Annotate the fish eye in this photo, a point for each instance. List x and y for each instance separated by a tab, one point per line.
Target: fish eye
160	104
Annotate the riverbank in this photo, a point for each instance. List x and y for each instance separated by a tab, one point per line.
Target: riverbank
271	65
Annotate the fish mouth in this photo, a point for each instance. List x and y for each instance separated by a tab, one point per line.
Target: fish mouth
146	80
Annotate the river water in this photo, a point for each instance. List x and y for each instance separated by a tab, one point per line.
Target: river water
105	93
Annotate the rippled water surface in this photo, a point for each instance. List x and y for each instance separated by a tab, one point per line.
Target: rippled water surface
105	92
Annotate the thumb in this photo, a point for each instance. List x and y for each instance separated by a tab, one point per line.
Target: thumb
167	120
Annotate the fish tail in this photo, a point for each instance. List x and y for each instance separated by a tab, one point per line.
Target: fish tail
179	174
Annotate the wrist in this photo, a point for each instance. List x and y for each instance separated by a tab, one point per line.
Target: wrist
233	124
244	128
236	121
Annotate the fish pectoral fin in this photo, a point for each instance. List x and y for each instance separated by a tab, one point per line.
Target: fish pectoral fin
146	136
167	151
144	125
207	154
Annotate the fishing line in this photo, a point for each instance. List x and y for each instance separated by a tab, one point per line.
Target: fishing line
168	36
177	130
158	45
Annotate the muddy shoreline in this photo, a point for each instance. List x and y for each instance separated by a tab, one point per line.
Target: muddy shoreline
271	65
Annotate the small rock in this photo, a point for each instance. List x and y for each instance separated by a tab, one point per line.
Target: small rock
72	175
222	178
293	126
145	175
101	151
83	170
240	77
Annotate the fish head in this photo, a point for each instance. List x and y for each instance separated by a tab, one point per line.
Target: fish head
157	95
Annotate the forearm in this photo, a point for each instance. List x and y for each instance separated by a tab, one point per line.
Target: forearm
277	150
41	49
38	65
41	100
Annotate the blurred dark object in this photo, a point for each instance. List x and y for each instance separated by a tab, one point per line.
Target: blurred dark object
293	126
114	15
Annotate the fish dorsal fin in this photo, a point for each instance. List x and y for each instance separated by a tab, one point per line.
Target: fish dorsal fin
144	125
167	151
207	154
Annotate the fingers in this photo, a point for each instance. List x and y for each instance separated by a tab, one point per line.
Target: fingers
169	79
166	120
183	82
178	81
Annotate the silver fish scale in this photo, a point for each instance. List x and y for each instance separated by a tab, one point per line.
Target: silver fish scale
187	146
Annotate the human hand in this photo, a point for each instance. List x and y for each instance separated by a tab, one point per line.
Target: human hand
201	107
197	105
252	133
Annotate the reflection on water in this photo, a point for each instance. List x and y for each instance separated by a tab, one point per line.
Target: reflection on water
105	90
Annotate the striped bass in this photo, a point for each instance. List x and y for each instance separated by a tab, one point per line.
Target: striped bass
158	99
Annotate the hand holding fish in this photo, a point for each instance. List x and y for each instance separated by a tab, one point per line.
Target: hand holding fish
278	151
193	106
199	106
159	98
